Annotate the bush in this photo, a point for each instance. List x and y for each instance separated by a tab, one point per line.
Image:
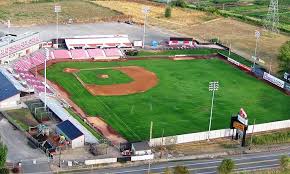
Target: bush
284	162
284	57
167	12
4	171
3	154
181	170
226	166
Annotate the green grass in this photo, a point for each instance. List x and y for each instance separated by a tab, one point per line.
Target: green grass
89	128
180	103
236	57
23	118
201	51
93	76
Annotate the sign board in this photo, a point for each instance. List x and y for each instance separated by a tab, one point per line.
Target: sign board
243	120
274	80
257	34
138	43
238	126
57	8
145	10
287	76
234	61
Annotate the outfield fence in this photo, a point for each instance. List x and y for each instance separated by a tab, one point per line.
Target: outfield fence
221	133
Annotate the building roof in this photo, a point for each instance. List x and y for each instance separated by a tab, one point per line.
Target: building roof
139	146
69	130
7	89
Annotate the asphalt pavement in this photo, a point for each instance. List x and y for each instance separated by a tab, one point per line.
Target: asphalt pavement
135	32
244	162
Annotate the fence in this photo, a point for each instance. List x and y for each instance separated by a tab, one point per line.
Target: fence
200	136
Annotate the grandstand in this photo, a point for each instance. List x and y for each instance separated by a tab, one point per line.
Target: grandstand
15	46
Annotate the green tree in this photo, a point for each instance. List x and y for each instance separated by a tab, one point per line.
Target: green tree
284	57
181	170
3	154
167	13
226	166
179	3
167	171
284	162
4	171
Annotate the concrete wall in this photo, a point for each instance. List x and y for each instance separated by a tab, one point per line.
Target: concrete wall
141	158
100	161
185	138
10	102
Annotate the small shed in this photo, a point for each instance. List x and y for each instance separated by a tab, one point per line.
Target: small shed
71	133
141	148
9	95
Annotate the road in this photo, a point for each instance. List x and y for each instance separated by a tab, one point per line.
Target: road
135	32
20	151
246	162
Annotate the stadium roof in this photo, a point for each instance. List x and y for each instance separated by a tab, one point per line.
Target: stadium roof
69	130
7	89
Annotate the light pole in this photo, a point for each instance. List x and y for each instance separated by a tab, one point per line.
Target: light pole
57	9
8	28
46	58
257	35
213	86
145	10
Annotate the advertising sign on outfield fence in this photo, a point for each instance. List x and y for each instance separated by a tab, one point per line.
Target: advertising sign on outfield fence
234	61
273	80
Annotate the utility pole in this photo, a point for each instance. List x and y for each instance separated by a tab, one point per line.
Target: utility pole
252	134
145	10
213	86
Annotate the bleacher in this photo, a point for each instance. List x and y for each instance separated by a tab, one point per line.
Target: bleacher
79	54
96	53
113	52
61	54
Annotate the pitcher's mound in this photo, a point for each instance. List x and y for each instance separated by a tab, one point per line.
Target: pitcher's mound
103	76
70	70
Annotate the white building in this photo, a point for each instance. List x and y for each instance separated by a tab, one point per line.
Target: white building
15	46
98	41
71	133
9	95
141	148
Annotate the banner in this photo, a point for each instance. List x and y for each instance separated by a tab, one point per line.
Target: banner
273	80
245	67
239	126
234	61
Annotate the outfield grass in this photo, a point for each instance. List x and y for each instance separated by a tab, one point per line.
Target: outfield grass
93	77
180	103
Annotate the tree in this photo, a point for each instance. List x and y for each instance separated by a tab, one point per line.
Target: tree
284	56
4	171
167	171
226	166
179	3
181	170
284	162
3	154
167	13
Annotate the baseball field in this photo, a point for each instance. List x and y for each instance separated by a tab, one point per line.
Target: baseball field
176	99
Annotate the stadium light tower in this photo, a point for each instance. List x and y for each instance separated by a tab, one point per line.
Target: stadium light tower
8	28
213	86
57	9
145	10
257	35
46	58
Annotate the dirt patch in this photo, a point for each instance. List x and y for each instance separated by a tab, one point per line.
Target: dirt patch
143	81
71	70
103	76
106	130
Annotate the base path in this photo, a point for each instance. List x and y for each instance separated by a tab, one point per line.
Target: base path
143	80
